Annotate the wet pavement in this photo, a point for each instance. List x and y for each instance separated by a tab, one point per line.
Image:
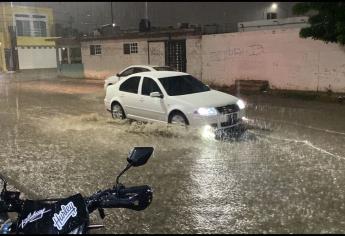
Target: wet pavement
285	174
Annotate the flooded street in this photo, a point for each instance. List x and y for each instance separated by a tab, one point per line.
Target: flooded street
285	175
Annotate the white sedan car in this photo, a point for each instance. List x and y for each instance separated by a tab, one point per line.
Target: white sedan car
133	70
173	97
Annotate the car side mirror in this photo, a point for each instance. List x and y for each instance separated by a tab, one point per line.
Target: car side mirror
118	75
156	95
139	156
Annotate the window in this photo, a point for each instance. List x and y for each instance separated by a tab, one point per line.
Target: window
271	15
134	48
23	28
127	72
126	48
38	16
181	85
22	15
130	85
149	86
31	25
95	50
133	70
139	69
129	48
40	29
163	68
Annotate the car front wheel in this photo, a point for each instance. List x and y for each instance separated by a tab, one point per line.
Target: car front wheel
117	111
178	118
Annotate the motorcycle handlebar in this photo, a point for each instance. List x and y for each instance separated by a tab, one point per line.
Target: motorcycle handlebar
10	202
136	198
3	207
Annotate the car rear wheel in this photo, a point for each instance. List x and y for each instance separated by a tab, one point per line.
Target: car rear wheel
117	111
178	118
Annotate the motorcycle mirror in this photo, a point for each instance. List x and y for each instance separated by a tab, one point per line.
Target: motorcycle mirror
4	182
139	156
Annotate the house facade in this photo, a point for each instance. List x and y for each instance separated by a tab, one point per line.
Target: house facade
23	34
105	56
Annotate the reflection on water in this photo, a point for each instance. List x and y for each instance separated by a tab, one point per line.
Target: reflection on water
283	175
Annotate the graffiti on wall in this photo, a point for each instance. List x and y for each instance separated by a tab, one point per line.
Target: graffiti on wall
154	51
229	53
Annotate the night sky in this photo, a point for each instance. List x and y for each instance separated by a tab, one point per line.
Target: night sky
90	15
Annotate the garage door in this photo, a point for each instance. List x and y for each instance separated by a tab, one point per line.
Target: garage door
36	57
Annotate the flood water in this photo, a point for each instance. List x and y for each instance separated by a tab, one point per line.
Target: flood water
285	175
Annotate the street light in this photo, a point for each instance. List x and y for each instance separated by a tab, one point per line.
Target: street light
274	6
112	14
274	9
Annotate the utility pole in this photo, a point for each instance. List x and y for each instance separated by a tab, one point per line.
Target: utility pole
13	42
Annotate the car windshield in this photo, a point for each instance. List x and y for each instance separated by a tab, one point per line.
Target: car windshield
183	84
163	68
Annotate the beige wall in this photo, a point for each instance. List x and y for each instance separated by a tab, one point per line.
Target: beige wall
193	56
279	56
113	60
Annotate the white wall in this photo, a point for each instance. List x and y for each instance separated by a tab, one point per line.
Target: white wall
37	58
279	56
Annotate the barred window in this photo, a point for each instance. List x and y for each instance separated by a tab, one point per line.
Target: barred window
129	48
31	25
95	50
23	28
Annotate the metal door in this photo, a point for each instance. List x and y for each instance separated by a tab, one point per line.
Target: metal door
175	54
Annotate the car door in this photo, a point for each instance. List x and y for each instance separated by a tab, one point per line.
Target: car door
129	97
152	108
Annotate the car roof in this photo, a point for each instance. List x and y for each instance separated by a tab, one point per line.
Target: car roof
150	67
160	74
145	66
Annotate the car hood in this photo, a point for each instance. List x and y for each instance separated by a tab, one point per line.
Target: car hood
212	98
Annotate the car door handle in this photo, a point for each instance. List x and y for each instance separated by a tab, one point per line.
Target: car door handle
141	100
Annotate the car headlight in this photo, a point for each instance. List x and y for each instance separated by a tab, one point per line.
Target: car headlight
241	104
203	111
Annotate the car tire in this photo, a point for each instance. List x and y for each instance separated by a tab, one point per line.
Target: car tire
178	118
117	111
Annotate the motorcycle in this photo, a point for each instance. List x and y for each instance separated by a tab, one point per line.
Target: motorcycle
71	215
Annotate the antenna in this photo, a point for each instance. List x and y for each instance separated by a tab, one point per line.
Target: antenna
146	12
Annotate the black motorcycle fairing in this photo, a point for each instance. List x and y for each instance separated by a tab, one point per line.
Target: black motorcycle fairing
60	217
